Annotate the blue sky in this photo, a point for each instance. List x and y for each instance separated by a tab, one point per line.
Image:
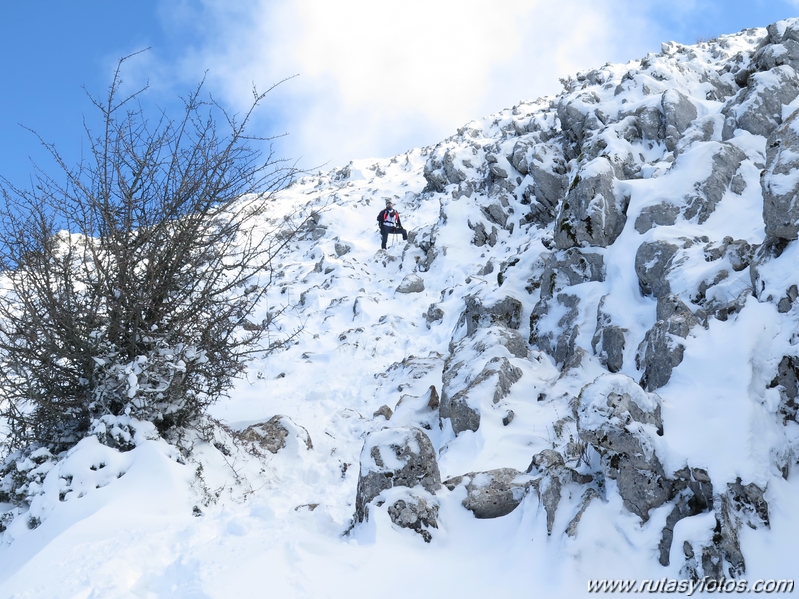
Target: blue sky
375	78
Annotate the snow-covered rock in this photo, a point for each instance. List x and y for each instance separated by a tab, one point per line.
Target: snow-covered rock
395	457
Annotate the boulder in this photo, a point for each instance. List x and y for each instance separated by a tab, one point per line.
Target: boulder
411	283
481	329
577	117
708	192
395	457
678	114
758	108
556	338
416	512
562	270
462	409
663	214
272	434
694	496
594	213
492	494
383	411
722	556
434	314
342	248
621	421
548	171
780	181
555	475
653	261
786	382
649	121
482	237
507	312
660	351
608	341
570	267
779	47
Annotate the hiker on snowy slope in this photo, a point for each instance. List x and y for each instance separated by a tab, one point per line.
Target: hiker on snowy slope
389	222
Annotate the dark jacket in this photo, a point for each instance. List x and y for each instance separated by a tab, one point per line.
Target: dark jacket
389	218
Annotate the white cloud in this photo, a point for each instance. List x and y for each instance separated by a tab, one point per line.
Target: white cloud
377	78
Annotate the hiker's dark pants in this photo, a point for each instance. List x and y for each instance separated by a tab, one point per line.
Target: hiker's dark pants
386	231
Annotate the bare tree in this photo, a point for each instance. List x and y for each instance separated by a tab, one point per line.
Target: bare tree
128	282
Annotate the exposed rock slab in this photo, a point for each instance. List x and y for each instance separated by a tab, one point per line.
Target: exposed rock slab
395	457
492	494
620	421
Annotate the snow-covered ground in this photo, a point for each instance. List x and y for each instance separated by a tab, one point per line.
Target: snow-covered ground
150	523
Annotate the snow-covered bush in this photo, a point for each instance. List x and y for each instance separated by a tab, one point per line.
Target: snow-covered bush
129	282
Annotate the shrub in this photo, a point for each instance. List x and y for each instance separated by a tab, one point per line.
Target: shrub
129	281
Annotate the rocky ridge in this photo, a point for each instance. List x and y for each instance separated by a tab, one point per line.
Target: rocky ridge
565	255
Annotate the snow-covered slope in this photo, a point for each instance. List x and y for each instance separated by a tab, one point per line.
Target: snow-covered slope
582	365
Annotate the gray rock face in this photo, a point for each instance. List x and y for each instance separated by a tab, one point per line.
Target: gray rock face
383	411
780	182
457	406
462	416
519	157
555	475
482	237
550	186
468	373
722	557
777	55
778	48
507	313
664	215
758	108
440	171
416	513
577	117
547	168
272	434
411	283
761	269
506	374
592	214
556	339
395	457
433	314
570	267
608	340
492	494
786	382
495	214
425	240
620	420
561	270
342	249
678	113
660	352
653	260
650	122
709	192
694	496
